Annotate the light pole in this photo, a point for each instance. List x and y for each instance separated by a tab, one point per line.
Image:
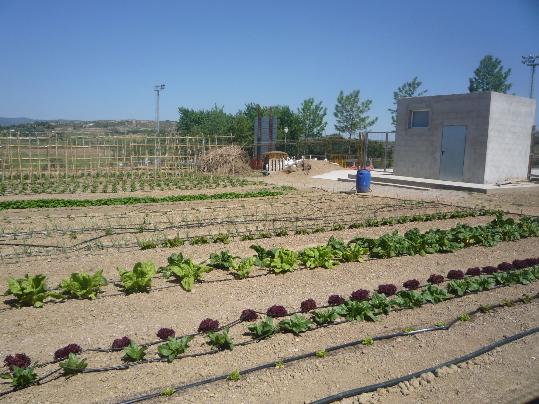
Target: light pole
285	132
531	61
157	89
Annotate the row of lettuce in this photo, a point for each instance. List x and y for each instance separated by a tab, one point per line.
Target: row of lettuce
33	290
362	305
225	238
133	200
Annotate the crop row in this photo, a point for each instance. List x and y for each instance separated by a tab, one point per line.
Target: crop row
113	182
361	306
63	203
284	231
32	290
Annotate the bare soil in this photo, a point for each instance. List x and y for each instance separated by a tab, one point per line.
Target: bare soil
508	374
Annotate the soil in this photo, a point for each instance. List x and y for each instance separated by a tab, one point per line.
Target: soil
507	374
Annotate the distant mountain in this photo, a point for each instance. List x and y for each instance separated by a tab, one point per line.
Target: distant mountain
14	121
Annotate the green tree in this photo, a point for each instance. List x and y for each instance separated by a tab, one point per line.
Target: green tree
311	117
351	114
490	76
408	89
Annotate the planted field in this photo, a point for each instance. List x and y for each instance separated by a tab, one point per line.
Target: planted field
113	182
283	296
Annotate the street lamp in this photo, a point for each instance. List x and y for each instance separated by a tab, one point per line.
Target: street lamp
157	89
531	61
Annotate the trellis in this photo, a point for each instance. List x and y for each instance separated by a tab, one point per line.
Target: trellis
57	154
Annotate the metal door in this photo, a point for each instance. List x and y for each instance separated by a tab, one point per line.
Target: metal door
452	156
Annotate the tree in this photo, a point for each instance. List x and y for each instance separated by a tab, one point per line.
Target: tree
311	117
489	76
351	113
408	89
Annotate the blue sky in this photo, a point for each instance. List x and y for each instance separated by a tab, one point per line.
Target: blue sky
100	59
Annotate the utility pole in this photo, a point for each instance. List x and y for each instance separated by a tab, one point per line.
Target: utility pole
157	89
531	61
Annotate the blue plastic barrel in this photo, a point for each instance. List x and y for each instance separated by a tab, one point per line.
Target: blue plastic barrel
363	181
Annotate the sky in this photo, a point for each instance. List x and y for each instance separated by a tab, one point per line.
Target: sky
101	59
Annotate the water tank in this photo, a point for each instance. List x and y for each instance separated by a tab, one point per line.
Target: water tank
363	181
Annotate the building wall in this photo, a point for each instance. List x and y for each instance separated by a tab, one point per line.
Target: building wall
509	139
418	150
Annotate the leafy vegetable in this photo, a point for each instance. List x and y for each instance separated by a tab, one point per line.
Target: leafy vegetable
64	352
222	260
321	256
308	305
296	324
30	290
19	360
187	272
20	377
81	285
354	310
276	311
263	329
248	315
173	348
73	365
134	352
243	268
234	376
221	340
140	279
208	325
323	317
166	333
120	343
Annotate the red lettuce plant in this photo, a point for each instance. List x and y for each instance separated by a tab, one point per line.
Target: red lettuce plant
308	305
336	300
489	270
19	360
360	295
165	333
64	352
455	274
277	311
475	271
411	284
208	325
120	343
435	279
248	315
387	289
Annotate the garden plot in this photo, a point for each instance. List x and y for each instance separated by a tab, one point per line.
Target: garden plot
30	233
349	268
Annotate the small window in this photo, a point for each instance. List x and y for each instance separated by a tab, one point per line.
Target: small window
419	119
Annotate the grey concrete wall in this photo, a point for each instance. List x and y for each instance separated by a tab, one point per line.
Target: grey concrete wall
417	150
508	147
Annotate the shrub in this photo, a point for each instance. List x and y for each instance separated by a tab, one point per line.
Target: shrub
435	279
455	274
166	333
208	325
119	343
336	300
411	284
308	305
64	352
387	289
359	295
19	360
248	315
475	271
277	311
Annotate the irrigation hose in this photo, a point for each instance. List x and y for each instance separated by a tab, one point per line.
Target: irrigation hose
308	355
393	382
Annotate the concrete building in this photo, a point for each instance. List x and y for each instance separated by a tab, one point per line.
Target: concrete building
479	137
